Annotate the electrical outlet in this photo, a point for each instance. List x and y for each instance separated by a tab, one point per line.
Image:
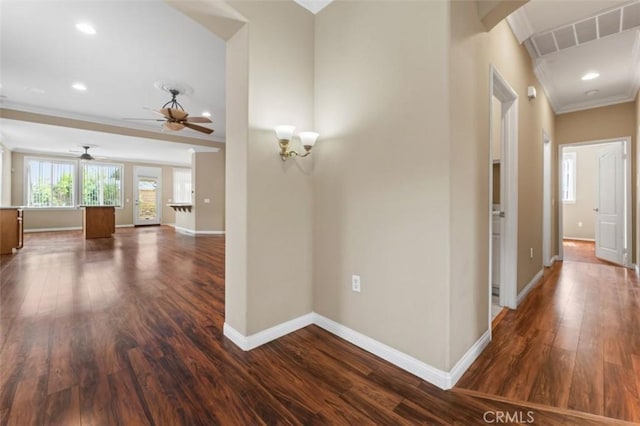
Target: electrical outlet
531	253
579	224
355	283
207	200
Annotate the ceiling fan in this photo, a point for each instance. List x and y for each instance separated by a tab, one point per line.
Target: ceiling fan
176	118
85	155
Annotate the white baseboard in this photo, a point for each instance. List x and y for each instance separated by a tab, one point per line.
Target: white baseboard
246	343
638	269
468	358
128	225
433	375
69	228
406	362
189	231
553	260
591	240
534	281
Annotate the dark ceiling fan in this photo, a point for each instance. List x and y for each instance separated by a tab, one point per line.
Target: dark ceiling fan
85	155
176	118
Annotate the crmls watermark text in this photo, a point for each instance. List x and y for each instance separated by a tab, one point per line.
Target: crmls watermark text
508	417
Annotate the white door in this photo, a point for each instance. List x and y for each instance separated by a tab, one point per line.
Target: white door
610	204
147	191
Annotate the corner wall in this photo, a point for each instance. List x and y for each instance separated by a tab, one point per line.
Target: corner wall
381	173
268	215
472	53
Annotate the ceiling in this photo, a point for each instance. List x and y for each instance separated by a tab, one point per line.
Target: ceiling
137	43
569	38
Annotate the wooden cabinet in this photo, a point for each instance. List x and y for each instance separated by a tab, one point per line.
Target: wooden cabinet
99	221
10	229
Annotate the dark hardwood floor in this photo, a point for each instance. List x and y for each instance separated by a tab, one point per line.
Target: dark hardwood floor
574	343
127	331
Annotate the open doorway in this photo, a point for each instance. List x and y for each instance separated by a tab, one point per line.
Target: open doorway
503	195
595	208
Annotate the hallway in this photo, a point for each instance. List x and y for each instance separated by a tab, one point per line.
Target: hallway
574	343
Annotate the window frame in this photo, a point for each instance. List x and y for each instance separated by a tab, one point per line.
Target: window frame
26	194
571	157
80	200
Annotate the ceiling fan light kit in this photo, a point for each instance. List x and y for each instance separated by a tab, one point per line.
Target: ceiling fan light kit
175	117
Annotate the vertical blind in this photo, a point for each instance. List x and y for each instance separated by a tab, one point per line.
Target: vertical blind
182	186
101	184
50	183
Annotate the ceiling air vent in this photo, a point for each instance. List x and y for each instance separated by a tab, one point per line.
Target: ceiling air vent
586	30
611	22
631	16
565	37
545	44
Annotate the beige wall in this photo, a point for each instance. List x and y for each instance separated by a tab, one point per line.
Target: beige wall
5	176
472	52
637	191
608	122
208	177
582	210
381	172
58	218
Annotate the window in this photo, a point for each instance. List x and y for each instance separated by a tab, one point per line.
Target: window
49	183
182	186
101	184
569	177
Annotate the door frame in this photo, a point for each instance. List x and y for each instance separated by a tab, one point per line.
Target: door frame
150	172
547	200
500	88
626	152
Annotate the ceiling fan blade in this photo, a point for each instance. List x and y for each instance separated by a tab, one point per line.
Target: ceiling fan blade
198	128
173	126
198	120
143	119
174	113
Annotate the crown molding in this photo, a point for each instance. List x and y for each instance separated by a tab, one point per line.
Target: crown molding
520	25
541	70
581	106
313	6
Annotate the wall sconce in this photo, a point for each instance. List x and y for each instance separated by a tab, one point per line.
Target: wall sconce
285	133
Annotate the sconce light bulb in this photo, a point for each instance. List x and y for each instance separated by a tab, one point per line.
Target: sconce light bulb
285	132
308	139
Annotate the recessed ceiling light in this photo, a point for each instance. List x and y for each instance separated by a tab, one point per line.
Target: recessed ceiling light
590	76
206	114
591	92
85	28
79	87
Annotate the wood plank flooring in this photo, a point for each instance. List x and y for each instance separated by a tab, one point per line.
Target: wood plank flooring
127	331
581	251
574	343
